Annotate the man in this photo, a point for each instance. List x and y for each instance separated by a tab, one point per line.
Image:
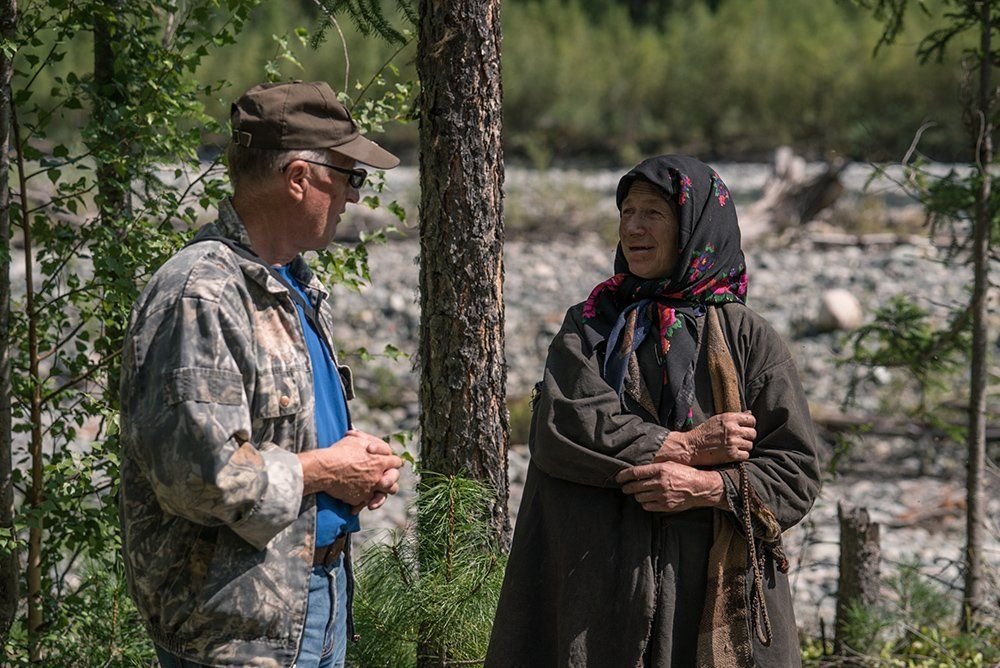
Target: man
241	477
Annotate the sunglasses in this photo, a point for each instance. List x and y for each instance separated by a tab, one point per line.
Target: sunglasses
355	177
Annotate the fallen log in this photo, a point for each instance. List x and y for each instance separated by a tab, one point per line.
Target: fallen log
880	425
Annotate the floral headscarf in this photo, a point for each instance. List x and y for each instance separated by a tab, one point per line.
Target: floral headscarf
710	269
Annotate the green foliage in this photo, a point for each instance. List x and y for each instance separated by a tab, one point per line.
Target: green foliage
113	184
863	627
437	590
961	203
734	81
368	17
902	335
911	629
96	215
102	626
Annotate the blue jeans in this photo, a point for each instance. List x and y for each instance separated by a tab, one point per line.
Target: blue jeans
324	638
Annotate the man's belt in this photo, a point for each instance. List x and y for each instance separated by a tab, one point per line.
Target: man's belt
327	554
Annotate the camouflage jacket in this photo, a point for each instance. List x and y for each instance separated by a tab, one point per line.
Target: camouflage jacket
217	399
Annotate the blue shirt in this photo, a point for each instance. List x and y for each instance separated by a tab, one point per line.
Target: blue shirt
333	516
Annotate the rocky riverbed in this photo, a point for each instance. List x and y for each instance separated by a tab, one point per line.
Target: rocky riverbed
913	487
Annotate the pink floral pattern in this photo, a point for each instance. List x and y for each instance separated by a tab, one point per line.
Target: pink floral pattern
719	190
685	189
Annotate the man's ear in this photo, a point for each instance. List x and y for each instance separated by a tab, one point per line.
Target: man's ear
296	179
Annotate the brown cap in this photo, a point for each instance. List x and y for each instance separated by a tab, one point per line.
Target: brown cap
297	115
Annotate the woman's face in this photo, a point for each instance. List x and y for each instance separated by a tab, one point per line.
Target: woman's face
648	232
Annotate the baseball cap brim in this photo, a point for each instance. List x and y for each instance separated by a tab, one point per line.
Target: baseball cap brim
367	152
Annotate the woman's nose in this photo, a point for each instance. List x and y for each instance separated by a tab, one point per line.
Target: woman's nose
632	225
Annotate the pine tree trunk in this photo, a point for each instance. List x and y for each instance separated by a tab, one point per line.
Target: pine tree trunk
974	594
8	560
859	575
464	421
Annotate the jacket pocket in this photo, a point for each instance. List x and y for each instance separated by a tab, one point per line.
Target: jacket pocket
277	394
276	408
206	385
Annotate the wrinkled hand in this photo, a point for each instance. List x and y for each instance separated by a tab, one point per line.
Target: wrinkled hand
721	439
389	484
669	487
353	469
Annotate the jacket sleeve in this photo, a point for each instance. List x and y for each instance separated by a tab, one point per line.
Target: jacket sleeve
579	430
187	420
784	465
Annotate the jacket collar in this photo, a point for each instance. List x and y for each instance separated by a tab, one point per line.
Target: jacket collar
230	226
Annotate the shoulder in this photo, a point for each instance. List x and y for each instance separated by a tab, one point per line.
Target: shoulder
574	315
200	271
577	338
574	323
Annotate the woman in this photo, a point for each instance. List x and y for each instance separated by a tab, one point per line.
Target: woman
670	423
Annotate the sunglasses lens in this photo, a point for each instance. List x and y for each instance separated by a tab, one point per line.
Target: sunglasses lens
358	177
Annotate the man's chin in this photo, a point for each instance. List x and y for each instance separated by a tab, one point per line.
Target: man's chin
331	232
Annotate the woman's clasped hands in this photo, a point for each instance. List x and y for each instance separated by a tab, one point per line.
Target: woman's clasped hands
673	482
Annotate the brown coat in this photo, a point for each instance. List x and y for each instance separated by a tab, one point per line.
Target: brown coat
595	580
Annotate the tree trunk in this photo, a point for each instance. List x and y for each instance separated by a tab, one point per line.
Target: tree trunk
114	195
114	187
8	559
859	575
974	594
36	492
464	420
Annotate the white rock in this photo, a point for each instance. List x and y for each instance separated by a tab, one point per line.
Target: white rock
839	310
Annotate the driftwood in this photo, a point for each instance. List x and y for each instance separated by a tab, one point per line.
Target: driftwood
858	586
878	425
790	197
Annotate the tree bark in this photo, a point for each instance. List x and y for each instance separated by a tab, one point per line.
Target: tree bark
114	194
859	575
114	187
974	592
464	419
464	422
8	559
36	492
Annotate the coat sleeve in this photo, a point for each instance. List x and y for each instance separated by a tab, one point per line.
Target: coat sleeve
579	430
187	420
784	466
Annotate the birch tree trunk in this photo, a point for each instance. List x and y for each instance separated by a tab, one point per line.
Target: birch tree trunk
8	559
114	198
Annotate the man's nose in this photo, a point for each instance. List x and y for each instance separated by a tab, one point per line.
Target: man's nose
353	194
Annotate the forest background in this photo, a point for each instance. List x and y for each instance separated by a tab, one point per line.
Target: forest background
605	82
